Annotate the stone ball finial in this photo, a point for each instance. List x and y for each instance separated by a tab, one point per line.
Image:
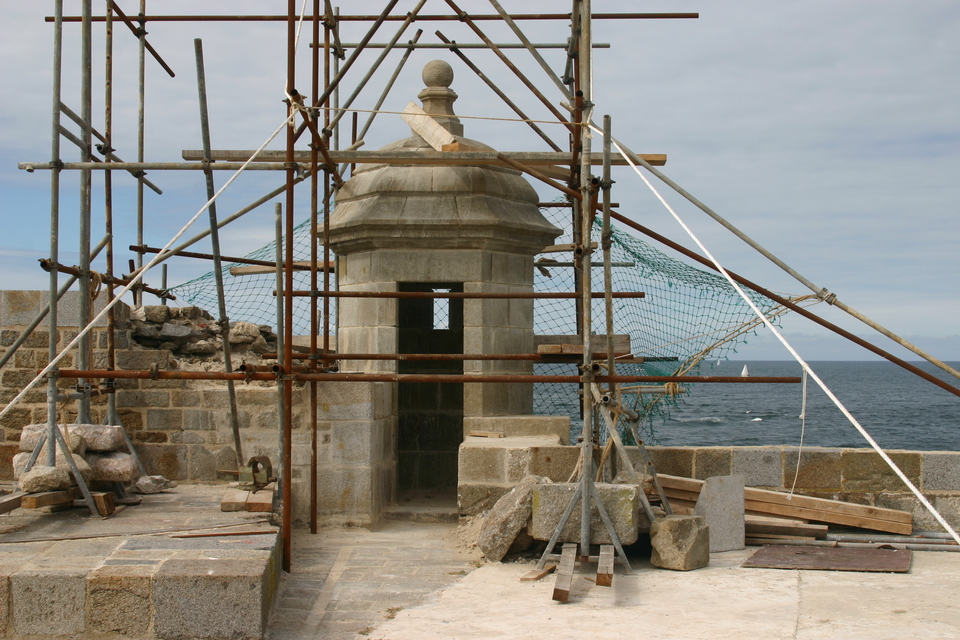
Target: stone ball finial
437	73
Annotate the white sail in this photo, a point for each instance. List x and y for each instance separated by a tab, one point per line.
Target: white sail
744	373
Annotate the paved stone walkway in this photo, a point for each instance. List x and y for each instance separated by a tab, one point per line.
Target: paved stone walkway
345	583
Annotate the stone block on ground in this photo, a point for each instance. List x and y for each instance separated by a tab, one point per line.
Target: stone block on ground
152	484
42	478
208	598
721	503
508	517
680	543
622	503
48	603
113	466
118	600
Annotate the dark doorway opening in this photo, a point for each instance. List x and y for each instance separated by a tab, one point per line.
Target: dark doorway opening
430	414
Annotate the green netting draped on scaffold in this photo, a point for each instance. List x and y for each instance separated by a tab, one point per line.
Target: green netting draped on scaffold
686	316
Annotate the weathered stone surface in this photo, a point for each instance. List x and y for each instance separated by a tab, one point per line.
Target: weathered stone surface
243	332
152	484
113	466
713	461
680	543
721	504
101	437
118	599
156	314
866	470
207	598
941	471
48	603
30	435
42	478
508	517
759	466
476	498
819	468
621	501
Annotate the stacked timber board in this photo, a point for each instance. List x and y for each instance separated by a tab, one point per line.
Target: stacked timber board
777	515
260	501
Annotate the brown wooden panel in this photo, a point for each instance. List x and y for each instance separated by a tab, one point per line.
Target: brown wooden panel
831	559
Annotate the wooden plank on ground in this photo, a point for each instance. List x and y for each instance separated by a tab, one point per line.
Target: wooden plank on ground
104	502
605	566
831	559
830	516
49	498
484	434
234	500
262	500
536	574
10	502
568	558
776	527
847	508
805	507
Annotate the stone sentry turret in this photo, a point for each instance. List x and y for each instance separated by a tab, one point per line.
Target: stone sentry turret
440	227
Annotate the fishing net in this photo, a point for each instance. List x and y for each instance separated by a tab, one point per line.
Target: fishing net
686	317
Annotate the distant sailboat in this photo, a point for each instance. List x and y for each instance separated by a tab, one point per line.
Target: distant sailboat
744	373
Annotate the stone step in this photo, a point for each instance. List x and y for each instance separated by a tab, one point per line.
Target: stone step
421	513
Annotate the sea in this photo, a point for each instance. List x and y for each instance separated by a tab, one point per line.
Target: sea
897	408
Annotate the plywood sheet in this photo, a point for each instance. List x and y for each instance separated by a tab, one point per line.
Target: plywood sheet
831	559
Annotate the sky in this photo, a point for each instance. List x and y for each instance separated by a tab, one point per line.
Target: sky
829	132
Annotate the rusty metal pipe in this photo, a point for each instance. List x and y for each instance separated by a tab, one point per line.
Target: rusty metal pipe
397	18
466	295
415	377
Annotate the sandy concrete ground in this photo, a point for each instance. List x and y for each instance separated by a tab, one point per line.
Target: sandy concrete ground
723	600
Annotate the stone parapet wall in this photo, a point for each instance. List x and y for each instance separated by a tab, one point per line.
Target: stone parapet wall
489	468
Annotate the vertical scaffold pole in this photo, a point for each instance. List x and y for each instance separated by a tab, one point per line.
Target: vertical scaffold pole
287	522
86	115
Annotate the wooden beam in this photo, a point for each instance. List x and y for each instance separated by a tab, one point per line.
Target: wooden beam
425	126
536	574
262	500
534	158
605	566
49	498
568	559
234	500
10	502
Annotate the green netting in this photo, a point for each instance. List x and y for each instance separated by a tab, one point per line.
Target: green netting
687	316
250	297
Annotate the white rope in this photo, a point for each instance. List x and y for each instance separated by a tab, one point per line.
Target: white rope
803	430
303	11
138	275
796	356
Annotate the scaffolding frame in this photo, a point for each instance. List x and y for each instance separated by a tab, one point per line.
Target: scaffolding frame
323	165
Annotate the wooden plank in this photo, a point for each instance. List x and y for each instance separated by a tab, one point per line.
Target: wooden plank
560	248
262	500
756	527
806	507
234	500
104	502
427	127
831	559
568	558
49	498
605	566
777	536
848	508
830	516
485	434
536	158
621	342
549	349
537	574
10	502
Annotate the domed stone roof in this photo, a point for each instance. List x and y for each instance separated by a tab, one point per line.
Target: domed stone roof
438	206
